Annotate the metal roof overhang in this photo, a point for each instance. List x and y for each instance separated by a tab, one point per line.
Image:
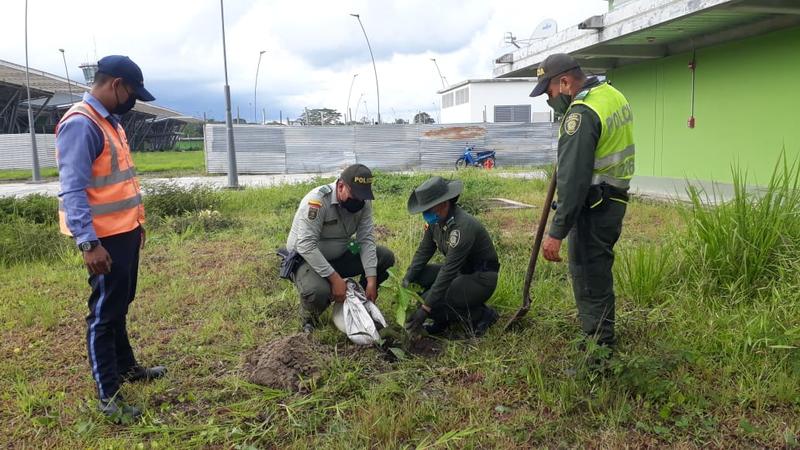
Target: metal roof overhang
44	84
650	29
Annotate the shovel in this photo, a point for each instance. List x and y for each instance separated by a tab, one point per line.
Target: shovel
537	245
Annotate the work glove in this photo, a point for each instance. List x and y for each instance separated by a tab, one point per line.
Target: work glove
414	323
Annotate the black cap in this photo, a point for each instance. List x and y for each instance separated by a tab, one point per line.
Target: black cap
122	67
553	65
359	178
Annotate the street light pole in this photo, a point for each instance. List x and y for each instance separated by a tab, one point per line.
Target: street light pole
31	127
66	71
348	97
377	90
255	88
233	176
441	78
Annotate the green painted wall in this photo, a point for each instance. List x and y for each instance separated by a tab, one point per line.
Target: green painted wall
747	108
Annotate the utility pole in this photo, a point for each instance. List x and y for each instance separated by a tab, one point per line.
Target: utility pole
348	95
233	173
31	125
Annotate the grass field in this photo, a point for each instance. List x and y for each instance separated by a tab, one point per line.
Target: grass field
171	163
705	359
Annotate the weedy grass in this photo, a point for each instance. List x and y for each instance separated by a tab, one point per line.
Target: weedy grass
704	360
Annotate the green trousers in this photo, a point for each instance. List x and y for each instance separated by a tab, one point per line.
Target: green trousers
591	257
465	298
315	291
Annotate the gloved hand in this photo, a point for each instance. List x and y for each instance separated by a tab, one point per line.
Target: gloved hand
414	323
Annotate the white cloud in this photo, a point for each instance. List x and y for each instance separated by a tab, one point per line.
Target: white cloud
314	47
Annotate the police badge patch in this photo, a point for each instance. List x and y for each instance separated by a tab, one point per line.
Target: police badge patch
455	238
572	123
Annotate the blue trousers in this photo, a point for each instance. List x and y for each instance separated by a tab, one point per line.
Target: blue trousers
110	353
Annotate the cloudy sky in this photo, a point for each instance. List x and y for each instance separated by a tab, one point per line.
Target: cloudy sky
313	47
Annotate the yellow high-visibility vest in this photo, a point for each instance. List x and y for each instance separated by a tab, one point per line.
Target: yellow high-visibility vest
614	155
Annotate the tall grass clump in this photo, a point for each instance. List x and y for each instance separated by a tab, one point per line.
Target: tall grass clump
745	244
646	274
172	200
35	208
29	230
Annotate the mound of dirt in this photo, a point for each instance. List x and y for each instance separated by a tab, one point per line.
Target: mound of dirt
284	363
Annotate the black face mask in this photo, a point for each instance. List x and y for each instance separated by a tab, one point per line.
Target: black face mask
122	108
352	205
560	103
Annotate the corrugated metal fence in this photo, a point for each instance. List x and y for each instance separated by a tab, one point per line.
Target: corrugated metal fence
15	151
271	149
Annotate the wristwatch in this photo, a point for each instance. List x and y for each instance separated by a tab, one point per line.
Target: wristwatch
88	245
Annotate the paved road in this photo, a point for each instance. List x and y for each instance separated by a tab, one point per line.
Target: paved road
650	187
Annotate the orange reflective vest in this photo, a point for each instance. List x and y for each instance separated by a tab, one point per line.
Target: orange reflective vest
114	195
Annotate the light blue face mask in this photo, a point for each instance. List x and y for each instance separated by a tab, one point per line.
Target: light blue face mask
430	217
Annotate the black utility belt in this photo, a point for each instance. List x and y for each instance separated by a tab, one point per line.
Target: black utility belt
484	266
600	193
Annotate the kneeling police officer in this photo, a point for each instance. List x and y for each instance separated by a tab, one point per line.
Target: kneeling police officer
322	235
457	290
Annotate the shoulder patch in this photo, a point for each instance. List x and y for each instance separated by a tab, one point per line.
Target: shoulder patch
582	94
324	190
572	123
313	209
454	239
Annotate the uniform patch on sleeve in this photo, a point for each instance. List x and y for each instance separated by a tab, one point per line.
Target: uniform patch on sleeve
455	238
572	123
313	209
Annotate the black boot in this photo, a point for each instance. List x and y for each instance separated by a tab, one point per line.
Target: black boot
140	373
488	318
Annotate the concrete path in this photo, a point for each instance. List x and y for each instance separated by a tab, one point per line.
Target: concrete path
52	187
649	187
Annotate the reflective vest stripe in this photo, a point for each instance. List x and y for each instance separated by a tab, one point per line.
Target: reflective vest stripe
108	208
620	183
615	158
115	177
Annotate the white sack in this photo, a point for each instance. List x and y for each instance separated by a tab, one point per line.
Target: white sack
356	317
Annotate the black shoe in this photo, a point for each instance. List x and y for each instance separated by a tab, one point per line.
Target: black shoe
436	328
308	327
140	373
117	410
488	319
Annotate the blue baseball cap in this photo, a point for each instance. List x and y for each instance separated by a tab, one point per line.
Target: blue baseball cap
119	66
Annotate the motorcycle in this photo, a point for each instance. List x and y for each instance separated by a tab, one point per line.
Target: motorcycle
483	159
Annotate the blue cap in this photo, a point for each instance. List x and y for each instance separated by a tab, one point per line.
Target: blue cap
122	67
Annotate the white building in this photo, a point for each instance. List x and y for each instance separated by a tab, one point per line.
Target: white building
493	100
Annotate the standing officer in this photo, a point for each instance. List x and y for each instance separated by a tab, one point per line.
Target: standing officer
595	166
457	290
322	234
100	206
